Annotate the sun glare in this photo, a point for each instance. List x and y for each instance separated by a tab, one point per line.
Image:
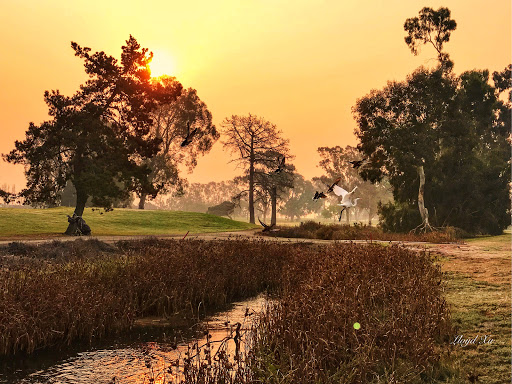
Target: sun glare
162	64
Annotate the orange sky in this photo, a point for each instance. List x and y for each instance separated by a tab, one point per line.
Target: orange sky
300	64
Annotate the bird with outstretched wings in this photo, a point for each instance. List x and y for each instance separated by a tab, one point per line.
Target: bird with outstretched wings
330	188
280	166
319	195
358	163
190	136
266	228
346	198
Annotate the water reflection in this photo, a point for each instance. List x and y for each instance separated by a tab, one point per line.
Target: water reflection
160	359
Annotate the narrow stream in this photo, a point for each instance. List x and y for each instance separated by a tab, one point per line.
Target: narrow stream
135	358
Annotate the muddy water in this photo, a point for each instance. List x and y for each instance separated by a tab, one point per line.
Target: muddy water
147	353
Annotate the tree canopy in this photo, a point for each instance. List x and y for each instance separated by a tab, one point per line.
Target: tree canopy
172	122
100	137
451	129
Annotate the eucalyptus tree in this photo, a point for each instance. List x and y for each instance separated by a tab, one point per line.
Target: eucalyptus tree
432	27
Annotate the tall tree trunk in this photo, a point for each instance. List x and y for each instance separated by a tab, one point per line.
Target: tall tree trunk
142	200
251	185
421	198
273	194
81	200
370	213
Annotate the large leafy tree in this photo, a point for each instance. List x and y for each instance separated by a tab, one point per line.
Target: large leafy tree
250	138
100	137
442	142
444	135
399	131
172	122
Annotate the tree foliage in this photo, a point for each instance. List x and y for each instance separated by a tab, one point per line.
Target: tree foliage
171	123
453	127
299	200
432	27
100	137
335	163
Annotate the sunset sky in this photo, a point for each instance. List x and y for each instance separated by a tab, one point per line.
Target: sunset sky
300	64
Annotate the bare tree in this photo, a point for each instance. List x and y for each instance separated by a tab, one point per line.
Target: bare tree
249	138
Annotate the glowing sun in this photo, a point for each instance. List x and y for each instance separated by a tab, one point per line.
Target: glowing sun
162	64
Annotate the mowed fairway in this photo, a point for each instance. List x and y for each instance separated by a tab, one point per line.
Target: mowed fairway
19	223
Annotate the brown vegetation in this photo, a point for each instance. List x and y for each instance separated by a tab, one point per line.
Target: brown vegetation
85	289
314	230
56	293
308	336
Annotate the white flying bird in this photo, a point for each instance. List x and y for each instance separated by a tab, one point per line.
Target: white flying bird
346	198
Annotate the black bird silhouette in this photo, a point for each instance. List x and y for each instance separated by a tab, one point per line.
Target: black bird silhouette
331	187
266	228
319	195
190	136
357	163
280	167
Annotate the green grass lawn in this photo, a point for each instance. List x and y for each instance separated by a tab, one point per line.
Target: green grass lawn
53	222
478	291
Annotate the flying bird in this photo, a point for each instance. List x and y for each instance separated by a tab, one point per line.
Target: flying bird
346	198
331	187
319	195
266	228
280	166
190	136
357	163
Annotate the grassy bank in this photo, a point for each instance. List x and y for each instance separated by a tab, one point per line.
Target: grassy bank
36	222
478	282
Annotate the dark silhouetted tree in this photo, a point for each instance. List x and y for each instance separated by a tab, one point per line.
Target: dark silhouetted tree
100	137
442	141
249	138
432	27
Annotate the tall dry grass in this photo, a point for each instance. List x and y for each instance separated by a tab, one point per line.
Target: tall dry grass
61	292
308	336
83	290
